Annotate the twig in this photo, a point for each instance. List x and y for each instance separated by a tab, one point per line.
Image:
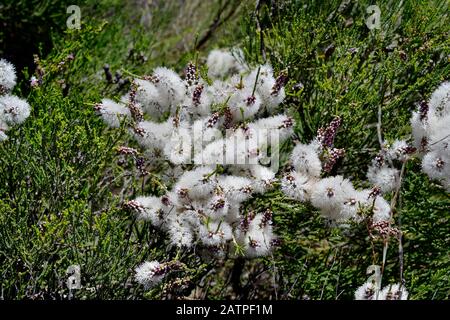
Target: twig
217	23
440	140
286	295
262	46
256	81
386	244
397	190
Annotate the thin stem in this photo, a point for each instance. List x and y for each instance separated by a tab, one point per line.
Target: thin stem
380	137
259	29
256	81
131	74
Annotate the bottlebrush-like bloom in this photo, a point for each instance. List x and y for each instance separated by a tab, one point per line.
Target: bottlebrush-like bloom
305	159
152	135
215	233
439	103
148	96
298	186
13	110
7	76
335	197
431	132
222	63
149	209
270	89
329	194
171	88
180	231
244	104
399	150
384	177
255	234
368	291
201	124
436	165
393	292
113	113
151	273
382	172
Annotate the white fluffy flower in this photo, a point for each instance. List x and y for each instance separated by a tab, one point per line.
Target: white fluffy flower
398	150
368	291
171	88
199	99
152	135
393	292
212	154
384	177
178	149
150	209
113	113
217	207
203	206
436	164
219	92
257	238
149	274
237	189
205	131
306	160
381	210
419	130
244	104
215	233
281	125
439	102
329	194
7	76
221	63
3	135
353	203
298	186
265	86
196	184
148	96
180	231
439	133
431	131
13	110
260	172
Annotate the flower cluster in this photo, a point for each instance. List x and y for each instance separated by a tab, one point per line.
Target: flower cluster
334	196
382	171
370	291
431	132
13	110
149	274
225	128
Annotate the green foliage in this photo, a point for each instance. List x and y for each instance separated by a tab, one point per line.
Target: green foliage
347	70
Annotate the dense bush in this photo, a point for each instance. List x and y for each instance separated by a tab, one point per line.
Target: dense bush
63	183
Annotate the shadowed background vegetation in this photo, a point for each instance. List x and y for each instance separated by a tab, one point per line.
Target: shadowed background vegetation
62	182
